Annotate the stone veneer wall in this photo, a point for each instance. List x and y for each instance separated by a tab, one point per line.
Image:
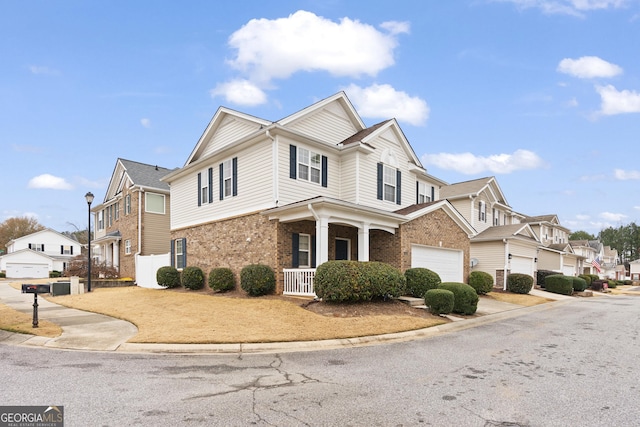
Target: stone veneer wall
128	226
233	243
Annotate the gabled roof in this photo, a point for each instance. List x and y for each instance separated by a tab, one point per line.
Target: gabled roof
561	247
339	97
128	173
541	218
473	188
418	210
46	230
502	232
30	252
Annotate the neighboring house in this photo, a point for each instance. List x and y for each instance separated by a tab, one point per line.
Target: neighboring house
315	186
133	220
556	254
609	264
37	254
634	269
592	251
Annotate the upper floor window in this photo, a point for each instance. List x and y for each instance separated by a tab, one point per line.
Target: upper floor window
38	247
109	215
496	216
127	204
154	203
66	250
424	193
482	211
101	219
229	178
308	165
389	180
204	190
116	211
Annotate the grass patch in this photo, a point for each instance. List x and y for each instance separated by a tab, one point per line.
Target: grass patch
519	299
16	321
164	316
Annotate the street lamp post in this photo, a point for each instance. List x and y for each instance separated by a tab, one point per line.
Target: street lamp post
89	197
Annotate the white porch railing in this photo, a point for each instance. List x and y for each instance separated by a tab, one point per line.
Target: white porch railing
299	281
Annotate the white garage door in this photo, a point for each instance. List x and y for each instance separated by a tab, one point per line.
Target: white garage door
448	263
522	265
27	271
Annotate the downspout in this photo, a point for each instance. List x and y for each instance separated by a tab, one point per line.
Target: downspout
139	251
506	264
274	153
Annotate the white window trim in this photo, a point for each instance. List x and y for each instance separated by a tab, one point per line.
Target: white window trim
483	211
386	183
179	253
127	247
308	250
227	177
127	204
305	160
348	246
163	203
424	196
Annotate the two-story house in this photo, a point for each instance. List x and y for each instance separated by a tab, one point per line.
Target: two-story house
37	254
503	243
314	186
591	251
555	254
133	219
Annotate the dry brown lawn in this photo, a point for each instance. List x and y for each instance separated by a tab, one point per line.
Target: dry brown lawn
16	321
520	299
624	290
167	316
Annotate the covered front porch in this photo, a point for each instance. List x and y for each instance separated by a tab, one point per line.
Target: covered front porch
322	229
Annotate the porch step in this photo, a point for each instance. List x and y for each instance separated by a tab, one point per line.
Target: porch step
413	302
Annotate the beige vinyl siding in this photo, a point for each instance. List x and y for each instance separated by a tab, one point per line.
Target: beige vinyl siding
155	231
331	124
294	190
490	256
255	190
230	130
350	167
465	207
478	224
549	260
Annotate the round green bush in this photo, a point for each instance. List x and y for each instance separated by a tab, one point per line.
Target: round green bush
258	280
541	275
559	284
579	284
519	283
587	278
465	297
222	279
481	281
347	281
168	277
439	301
193	278
420	280
612	283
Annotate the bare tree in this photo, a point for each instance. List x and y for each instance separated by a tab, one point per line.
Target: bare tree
16	227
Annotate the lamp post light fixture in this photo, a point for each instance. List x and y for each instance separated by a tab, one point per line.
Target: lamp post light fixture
89	197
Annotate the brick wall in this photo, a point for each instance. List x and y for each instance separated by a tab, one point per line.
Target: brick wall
128	226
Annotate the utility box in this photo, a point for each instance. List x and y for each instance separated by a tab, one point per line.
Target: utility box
60	288
35	289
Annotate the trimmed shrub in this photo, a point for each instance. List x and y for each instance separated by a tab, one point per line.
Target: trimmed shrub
3	275
559	284
168	277
613	283
222	279
481	281
541	275
193	278
594	277
258	280
439	301
519	283
420	280
579	284
465	297
54	274
587	278
348	281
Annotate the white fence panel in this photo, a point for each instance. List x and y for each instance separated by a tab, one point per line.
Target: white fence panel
299	281
146	268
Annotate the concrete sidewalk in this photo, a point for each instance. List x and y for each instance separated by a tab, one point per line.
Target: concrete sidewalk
95	332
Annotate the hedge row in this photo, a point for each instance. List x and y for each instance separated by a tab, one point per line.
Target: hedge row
349	281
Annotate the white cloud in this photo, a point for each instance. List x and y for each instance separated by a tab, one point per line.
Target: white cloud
567	7
582	217
618	102
615	217
268	49
588	67
47	181
39	69
241	92
383	102
573	102
145	123
470	164
623	175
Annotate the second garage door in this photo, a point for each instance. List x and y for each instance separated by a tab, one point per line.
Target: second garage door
27	271
448	263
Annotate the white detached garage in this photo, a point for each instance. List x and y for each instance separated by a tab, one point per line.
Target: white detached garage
448	263
27	264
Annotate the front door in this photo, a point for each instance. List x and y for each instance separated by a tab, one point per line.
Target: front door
342	249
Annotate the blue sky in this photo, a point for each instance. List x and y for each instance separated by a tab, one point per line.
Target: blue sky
542	94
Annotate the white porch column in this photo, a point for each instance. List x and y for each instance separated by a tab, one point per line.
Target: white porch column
322	240
116	254
363	242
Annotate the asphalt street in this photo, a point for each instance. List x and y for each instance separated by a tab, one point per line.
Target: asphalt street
573	364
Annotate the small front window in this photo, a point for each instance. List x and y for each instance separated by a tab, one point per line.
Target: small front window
304	246
127	246
179	253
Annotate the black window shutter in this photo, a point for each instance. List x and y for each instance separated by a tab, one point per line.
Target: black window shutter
199	189
210	185
324	171
295	247
398	185
433	193
61	249
479	211
379	181
221	181
417	192
173	253
184	251
293	161
43	247
313	251
234	179
71	250
29	245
